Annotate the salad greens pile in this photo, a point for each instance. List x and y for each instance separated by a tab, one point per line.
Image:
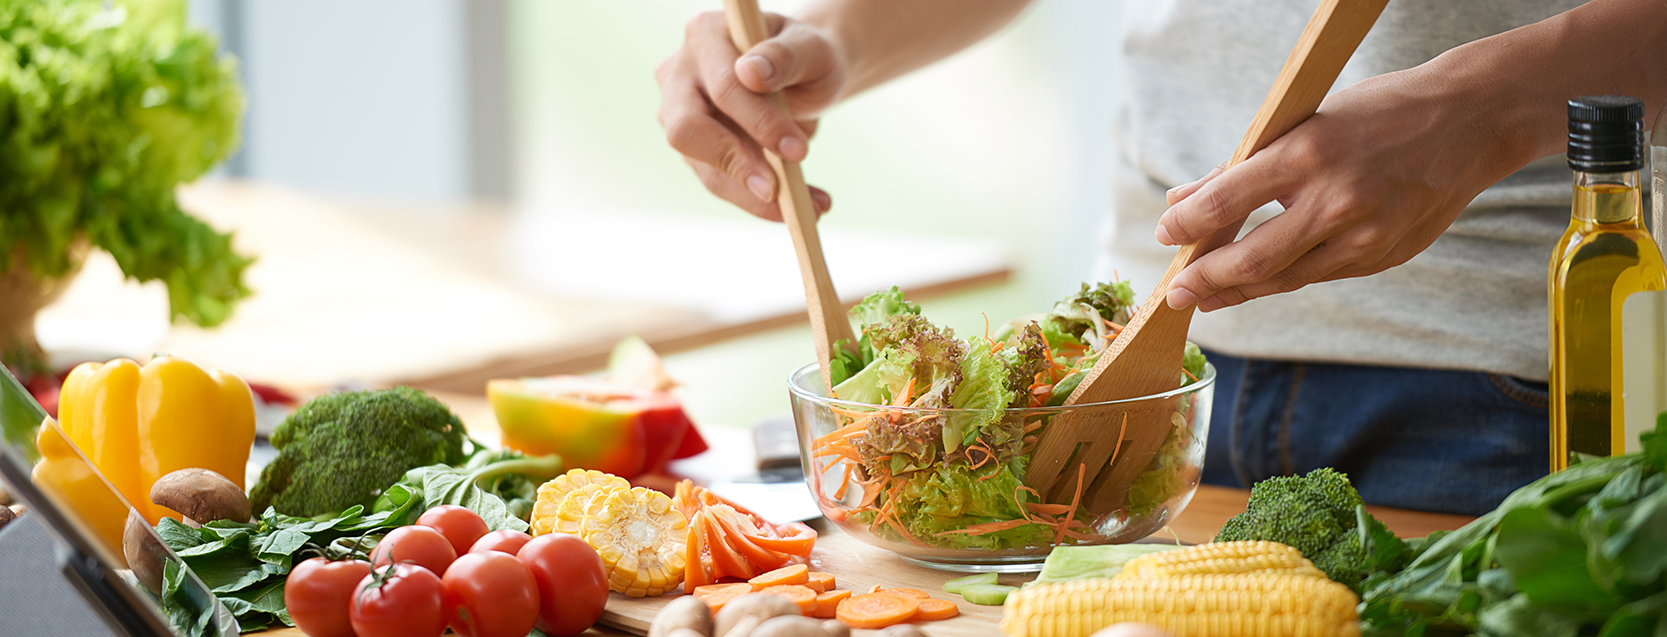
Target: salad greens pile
955	479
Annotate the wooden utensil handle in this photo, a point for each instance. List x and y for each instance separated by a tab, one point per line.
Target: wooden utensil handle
828	322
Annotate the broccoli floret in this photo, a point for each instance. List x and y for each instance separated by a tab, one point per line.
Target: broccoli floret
1321	515
343	449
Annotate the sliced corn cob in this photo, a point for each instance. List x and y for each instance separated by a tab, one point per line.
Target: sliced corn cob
641	539
1235	605
550	495
1220	558
579	503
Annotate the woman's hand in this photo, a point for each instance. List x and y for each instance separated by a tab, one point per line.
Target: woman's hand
1367	183
715	108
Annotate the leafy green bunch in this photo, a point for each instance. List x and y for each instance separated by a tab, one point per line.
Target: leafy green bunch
104	109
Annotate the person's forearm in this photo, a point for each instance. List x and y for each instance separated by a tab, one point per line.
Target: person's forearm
883	39
1616	47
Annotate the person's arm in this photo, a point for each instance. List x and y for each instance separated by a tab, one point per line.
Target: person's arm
712	101
1385	166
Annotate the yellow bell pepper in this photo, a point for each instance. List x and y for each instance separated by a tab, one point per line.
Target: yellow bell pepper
138	424
67	478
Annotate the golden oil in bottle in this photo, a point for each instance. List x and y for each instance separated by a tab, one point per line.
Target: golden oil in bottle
1603	258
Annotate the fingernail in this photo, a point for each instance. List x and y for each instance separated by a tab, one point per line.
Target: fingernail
1180	299
1164	238
1211	304
792	148
760	187
760	66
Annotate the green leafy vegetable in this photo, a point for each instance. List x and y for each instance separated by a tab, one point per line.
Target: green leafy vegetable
245	564
1579	552
106	107
954	586
476	487
1068	563
341	450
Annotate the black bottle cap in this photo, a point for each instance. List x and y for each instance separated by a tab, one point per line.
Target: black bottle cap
1606	134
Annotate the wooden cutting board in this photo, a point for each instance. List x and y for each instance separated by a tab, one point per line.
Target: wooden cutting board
857	567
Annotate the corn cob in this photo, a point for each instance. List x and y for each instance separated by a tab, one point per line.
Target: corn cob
579	503
546	510
1220	558
641	539
1232	605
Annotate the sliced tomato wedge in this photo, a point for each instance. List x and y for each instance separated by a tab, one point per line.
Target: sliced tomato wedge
792	539
725	560
738	533
697	569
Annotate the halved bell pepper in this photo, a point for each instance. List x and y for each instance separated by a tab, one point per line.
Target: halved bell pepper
138	424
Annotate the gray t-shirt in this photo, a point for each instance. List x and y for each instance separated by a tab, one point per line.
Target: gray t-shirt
1196	71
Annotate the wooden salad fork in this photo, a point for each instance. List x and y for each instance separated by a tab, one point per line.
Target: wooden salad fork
829	324
1144	359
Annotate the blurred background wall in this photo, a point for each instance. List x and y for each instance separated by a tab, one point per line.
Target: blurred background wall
550	105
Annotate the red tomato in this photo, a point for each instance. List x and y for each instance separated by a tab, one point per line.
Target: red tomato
490	594
407	603
572	583
508	541
461	526
418	545
319	592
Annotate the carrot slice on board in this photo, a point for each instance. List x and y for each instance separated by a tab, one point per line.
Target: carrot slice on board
821	582
791	574
911	592
935	609
716	595
799	595
876	610
827	604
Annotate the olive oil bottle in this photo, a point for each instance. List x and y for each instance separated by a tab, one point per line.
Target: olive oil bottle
1605	256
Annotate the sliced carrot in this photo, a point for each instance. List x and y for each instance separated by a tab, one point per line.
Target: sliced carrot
790	574
827	604
911	592
821	582
800	595
932	610
716	595
876	610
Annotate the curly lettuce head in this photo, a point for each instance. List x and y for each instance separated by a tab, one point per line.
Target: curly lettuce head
105	107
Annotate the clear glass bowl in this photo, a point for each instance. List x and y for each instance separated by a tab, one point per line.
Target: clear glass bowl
886	476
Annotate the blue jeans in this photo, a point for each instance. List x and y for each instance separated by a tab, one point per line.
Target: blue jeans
1432	440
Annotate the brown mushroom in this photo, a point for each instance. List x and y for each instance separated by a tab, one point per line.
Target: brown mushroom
201	496
791	626
144	552
835	628
686	612
740	616
6	516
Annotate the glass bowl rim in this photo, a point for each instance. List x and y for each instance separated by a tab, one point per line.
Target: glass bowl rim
1204	382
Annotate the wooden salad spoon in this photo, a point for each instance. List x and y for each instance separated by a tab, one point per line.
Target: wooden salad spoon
829	324
1144	359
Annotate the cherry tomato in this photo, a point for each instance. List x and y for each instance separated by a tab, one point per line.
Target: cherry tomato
461	526
490	594
572	583
418	545
407	603
508	541
319	592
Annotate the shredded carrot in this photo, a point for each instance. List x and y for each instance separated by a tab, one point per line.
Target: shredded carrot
839	434
844	481
987	527
1120	431
1051	509
1076	498
1033	425
903	398
1189	374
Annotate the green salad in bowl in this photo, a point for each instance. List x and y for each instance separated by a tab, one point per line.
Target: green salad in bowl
922	446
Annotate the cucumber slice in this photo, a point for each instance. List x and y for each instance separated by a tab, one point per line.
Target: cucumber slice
955	585
986	594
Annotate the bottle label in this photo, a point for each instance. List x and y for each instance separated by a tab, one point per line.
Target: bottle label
1644	360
